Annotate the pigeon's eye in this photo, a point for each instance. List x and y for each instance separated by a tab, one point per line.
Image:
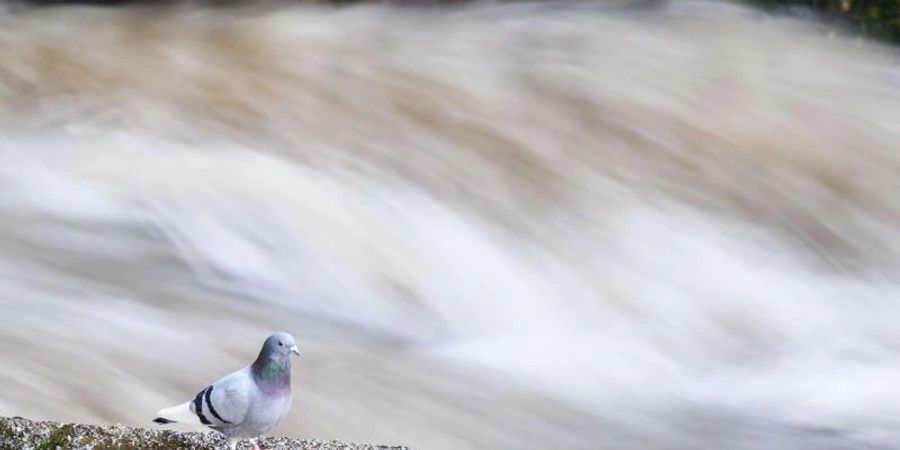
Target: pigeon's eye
280	344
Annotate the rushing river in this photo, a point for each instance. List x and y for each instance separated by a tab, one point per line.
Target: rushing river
661	225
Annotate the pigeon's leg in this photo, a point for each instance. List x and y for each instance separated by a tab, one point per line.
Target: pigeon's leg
253	443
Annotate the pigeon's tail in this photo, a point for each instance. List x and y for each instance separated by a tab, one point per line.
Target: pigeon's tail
181	413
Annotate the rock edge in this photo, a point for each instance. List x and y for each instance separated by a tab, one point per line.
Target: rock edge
23	434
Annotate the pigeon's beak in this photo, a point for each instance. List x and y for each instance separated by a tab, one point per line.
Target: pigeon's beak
295	350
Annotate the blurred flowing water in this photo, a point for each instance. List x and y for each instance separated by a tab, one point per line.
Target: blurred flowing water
652	225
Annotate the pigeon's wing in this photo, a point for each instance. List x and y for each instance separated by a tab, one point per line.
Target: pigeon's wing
224	403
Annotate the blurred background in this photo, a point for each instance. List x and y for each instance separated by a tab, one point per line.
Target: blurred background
587	225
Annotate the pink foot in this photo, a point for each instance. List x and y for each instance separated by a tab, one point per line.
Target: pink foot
255	447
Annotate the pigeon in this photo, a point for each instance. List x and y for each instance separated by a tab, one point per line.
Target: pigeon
246	403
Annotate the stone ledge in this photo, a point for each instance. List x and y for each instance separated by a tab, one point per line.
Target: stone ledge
23	434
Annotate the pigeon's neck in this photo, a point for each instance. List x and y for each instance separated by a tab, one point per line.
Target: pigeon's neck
272	374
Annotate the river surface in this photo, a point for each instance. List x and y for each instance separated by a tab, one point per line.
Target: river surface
613	225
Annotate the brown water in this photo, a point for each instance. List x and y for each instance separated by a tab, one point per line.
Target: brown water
560	225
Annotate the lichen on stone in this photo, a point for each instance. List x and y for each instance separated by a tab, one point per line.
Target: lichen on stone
24	434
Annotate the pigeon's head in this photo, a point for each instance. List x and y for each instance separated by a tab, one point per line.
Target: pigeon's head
280	344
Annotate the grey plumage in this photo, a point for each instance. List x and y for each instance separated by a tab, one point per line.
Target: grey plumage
247	403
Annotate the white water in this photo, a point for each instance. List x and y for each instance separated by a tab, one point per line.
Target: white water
496	226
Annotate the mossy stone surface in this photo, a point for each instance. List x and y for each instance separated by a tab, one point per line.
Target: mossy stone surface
23	434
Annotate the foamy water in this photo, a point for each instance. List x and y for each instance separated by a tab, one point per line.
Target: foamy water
490	226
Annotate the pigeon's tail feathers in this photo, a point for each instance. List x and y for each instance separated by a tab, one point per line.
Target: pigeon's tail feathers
181	413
